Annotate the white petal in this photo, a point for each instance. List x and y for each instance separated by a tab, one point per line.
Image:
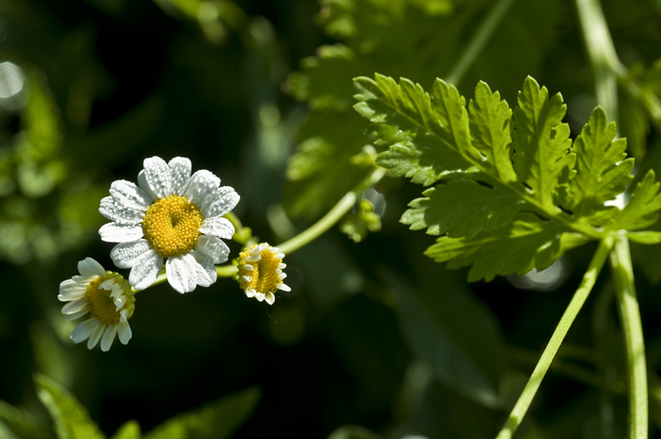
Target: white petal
259	296
250	292
144	185
114	211
216	249
75	315
270	298
125	254
221	202
125	333
200	187
205	270
108	338
113	232
181	271
74	306
80	332
218	226
145	270
96	331
88	267
70	290
129	195
180	168
158	176
282	287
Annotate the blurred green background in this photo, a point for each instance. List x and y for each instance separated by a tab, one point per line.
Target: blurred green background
259	92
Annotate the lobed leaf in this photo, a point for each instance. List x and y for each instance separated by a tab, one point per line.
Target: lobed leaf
541	144
643	207
463	208
601	169
526	243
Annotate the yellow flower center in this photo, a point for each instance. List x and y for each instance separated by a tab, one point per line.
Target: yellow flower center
172	225
101	304
264	277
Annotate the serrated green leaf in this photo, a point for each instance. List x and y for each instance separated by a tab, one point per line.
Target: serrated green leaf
217	420
425	135
128	430
541	142
643	207
463	208
71	419
601	169
526	243
491	131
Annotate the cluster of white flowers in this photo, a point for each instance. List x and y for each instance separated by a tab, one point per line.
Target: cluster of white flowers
170	217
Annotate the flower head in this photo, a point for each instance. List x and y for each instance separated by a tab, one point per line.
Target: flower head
260	272
107	298
173	216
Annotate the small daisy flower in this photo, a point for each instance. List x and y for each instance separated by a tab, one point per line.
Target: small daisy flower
107	298
260	272
173	216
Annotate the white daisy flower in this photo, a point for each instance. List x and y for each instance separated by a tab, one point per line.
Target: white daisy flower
108	299
173	216
260	272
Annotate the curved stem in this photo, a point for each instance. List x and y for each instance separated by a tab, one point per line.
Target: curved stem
332	217
479	40
524	401
625	293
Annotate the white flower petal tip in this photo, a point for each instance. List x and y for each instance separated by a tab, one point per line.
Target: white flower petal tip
260	272
106	298
170	216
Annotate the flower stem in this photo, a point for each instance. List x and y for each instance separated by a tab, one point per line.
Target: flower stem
625	292
524	401
477	43
332	217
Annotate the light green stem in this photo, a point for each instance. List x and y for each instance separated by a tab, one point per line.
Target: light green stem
332	217
625	292
477	43
524	401
606	66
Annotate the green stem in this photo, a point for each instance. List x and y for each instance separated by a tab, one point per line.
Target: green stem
524	401
625	293
332	217
606	66
477	43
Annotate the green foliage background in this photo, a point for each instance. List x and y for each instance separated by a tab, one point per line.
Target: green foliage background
374	333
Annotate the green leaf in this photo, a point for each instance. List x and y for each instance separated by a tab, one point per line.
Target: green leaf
425	137
452	332
71	419
463	208
362	220
642	210
217	420
20	422
491	131
128	430
541	144
526	243
601	169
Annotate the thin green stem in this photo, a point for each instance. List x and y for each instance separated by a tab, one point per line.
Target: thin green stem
526	397
625	293
479	40
332	217
606	66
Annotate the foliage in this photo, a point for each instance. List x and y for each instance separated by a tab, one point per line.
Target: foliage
298	105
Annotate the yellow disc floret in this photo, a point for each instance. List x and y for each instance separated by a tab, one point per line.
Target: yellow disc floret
107	296
260	272
172	225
